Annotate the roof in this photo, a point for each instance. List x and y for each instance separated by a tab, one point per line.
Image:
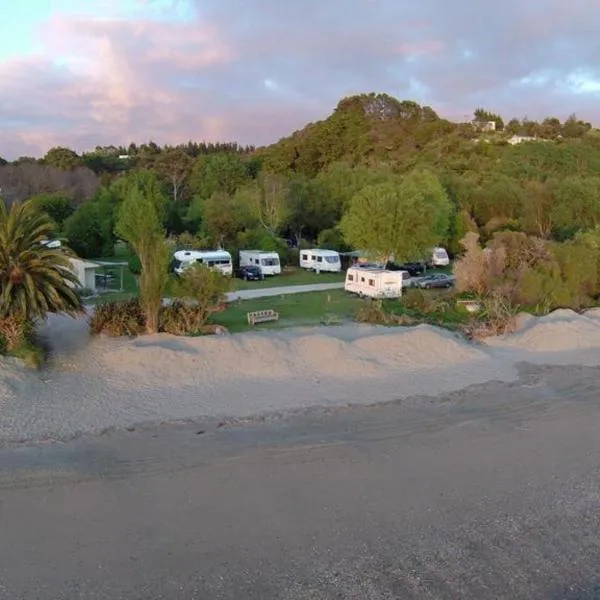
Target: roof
86	264
320	251
201	254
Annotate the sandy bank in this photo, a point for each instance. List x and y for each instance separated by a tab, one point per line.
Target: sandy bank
94	384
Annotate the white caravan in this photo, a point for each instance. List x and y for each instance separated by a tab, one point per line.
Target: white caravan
439	257
214	259
267	261
376	283
320	260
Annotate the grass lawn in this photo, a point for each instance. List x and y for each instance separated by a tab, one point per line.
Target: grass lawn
290	277
305	309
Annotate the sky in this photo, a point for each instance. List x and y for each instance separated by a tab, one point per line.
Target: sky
82	73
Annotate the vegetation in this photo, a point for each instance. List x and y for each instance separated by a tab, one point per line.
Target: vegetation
518	203
34	279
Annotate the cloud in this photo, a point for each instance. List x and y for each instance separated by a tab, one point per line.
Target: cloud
253	71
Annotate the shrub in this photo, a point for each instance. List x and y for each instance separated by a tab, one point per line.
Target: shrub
372	311
181	318
205	287
119	318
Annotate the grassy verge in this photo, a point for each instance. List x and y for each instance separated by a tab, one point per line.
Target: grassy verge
290	277
295	310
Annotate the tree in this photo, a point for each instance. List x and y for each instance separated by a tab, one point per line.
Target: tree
402	219
266	201
91	228
139	224
62	158
174	165
213	173
207	289
34	279
483	116
58	207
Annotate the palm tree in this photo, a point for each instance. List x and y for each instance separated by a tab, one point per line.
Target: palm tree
35	279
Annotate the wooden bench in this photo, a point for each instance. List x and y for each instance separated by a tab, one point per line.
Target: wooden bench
262	316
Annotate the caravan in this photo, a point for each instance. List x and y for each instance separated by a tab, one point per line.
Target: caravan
268	262
214	259
439	258
376	283
320	260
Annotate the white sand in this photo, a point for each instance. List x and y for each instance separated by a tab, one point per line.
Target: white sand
98	383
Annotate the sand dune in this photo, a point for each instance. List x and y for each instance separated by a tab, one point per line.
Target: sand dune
94	384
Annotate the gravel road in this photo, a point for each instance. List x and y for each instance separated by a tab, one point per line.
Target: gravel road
490	493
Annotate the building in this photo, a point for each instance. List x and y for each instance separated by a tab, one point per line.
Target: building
85	272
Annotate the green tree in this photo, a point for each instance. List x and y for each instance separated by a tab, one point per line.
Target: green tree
403	218
578	203
174	166
58	207
90	230
62	158
139	224
34	279
213	173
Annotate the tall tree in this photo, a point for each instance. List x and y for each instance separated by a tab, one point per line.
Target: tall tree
402	218
140	225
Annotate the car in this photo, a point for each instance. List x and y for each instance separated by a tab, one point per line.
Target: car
414	268
250	273
439	280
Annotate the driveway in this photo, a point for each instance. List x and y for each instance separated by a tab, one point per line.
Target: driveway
282	290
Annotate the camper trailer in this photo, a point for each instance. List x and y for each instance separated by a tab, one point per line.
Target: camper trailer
376	283
320	260
214	259
268	262
439	258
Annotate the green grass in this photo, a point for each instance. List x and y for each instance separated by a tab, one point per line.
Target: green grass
290	277
295	310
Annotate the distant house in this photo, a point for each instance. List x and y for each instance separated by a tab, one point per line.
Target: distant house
519	139
484	125
85	272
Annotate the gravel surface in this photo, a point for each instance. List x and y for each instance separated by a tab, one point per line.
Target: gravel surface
95	384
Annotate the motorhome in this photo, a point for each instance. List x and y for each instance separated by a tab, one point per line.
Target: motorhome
439	257
376	283
320	260
268	262
214	259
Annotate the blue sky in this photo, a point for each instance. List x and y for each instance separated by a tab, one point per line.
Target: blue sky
83	73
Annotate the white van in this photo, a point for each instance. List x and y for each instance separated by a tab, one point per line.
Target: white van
439	257
267	261
320	260
214	259
376	283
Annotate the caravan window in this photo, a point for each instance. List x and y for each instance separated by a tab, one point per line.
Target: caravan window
332	259
350	277
270	262
305	257
372	282
319	259
362	279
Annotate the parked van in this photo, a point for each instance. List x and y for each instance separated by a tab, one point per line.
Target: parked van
320	260
268	262
439	257
376	283
214	259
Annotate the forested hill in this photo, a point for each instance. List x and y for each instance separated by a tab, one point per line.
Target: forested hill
540	178
374	130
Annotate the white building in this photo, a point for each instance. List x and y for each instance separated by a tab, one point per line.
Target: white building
85	272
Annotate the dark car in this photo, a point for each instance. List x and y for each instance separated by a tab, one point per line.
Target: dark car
414	268
439	280
250	273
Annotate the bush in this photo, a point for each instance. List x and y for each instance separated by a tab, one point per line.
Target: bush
17	338
181	318
119	318
205	287
373	312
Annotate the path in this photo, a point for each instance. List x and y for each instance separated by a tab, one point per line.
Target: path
492	493
282	290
